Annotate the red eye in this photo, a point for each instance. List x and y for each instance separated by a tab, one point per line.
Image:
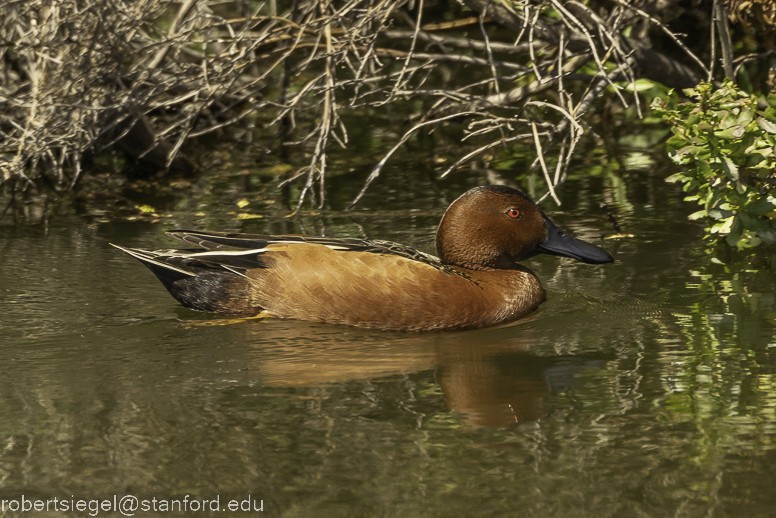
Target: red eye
513	213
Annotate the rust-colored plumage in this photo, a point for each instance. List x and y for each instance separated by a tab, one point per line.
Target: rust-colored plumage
475	281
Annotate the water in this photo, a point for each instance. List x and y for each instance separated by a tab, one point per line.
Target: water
642	388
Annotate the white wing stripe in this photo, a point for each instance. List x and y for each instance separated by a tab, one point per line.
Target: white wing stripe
217	253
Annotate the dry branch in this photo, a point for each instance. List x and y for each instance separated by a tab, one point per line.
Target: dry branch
80	76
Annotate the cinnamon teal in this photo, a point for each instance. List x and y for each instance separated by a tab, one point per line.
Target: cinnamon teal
474	282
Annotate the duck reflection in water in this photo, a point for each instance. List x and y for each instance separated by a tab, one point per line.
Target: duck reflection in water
490	378
506	388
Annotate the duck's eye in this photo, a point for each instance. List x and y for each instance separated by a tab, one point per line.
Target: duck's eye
514	213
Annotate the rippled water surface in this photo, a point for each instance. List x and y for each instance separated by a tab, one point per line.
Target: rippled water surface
641	388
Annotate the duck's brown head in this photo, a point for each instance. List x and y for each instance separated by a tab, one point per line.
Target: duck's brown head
494	226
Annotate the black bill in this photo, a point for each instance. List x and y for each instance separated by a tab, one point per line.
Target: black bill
560	243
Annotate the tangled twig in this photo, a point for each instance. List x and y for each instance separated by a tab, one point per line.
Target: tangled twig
83	75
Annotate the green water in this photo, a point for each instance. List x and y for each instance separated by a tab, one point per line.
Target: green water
641	388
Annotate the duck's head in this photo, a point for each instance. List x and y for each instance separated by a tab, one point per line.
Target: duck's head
494	226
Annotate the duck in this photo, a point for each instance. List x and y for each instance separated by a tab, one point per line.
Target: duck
474	281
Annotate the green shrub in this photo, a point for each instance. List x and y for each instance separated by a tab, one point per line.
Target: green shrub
729	147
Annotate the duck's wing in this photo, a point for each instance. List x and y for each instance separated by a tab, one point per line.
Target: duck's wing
238	253
242	250
191	262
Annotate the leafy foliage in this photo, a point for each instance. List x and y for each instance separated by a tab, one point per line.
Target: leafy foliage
730	147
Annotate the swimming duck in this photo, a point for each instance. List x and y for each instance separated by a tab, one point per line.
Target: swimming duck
474	282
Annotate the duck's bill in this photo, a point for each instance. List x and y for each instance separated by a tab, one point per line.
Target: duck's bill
560	243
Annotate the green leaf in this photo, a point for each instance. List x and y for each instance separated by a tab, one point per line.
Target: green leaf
746	116
728	119
735	131
676	142
731	170
735	231
723	227
692	119
679	159
748	221
757	225
712	200
761	207
766	235
678	177
718	214
640	85
766	125
691	150
752	242
704	170
771	100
